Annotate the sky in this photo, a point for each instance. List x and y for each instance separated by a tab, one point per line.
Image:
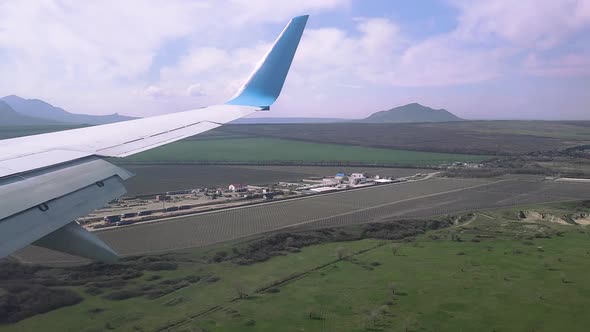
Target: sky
485	59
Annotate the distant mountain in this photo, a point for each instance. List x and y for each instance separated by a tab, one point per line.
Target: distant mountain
287	120
403	114
9	117
36	108
412	113
15	110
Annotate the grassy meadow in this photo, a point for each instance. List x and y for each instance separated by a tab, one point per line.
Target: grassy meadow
489	273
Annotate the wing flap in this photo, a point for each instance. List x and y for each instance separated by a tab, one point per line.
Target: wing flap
24	192
28	226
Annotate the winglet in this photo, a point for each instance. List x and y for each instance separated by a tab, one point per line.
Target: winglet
265	83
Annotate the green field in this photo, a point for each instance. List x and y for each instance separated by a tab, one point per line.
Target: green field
268	150
491	273
567	130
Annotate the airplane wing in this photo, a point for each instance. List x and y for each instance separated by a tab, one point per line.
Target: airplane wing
49	180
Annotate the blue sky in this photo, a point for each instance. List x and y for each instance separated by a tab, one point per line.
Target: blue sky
501	59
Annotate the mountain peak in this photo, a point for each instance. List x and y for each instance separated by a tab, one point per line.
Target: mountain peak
12	97
413	112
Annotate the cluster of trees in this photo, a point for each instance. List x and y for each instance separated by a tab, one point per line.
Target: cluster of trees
29	290
150	291
575	157
282	243
21	301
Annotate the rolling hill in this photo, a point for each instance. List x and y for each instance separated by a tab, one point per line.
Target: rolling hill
412	113
9	117
38	109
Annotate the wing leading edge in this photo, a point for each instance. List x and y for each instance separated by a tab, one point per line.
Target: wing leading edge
48	180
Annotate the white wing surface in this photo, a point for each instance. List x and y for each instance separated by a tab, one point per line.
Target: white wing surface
48	180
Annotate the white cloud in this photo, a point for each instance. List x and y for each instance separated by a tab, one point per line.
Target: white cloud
526	23
569	65
246	11
443	61
529	27
220	72
379	53
98	57
332	54
156	92
330	60
73	53
195	90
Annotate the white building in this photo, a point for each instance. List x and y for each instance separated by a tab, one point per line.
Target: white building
237	188
356	178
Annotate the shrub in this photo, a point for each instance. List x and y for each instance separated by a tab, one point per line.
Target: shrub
161	291
394	250
116	283
94	311
340	253
160	266
93	290
33	300
392	287
315	315
192	279
123	294
219	257
241	291
212	279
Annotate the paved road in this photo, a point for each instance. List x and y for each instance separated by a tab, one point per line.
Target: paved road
431	197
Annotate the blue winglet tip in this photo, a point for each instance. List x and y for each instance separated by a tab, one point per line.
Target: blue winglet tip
266	82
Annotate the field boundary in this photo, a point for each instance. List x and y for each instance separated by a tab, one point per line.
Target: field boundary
276	163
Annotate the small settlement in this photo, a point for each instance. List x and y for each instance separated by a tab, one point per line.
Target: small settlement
127	211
